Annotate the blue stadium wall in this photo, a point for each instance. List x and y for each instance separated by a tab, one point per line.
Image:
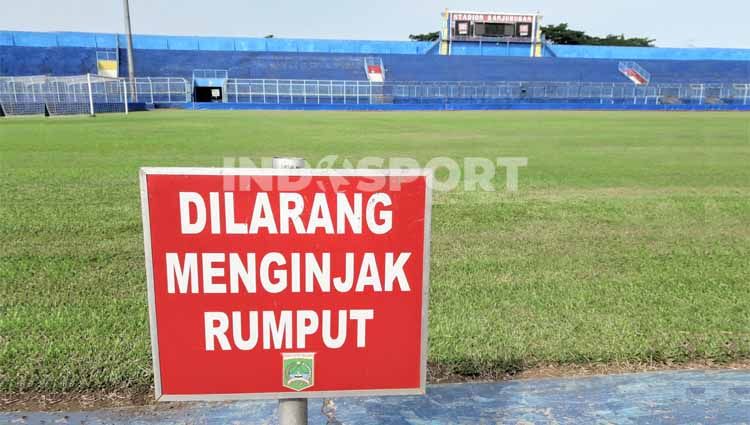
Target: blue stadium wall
168	42
646	53
27	53
290	45
326	66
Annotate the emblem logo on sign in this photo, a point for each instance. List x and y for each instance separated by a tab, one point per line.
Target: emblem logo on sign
299	370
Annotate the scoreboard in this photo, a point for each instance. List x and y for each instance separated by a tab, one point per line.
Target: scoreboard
490	27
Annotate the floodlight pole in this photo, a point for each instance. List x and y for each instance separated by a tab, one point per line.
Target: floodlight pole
129	36
292	411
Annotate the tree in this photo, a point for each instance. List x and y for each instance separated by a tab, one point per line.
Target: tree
620	40
430	36
562	34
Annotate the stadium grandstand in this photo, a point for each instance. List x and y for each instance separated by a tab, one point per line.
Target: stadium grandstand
481	61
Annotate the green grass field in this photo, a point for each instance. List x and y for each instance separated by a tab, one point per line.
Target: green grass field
627	242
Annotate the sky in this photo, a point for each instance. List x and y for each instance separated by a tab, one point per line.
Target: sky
673	23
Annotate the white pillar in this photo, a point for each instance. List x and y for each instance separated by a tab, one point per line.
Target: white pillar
125	95
91	95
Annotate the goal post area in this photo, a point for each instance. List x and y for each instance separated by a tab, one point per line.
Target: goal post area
70	95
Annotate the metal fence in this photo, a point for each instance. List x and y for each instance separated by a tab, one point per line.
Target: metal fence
39	89
303	91
61	95
90	94
86	94
152	90
563	92
211	73
271	91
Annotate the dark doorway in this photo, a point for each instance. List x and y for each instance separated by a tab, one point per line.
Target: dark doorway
208	94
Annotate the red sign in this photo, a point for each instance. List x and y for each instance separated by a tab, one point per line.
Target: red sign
268	283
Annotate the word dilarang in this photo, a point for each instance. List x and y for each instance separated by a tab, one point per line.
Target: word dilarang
290	212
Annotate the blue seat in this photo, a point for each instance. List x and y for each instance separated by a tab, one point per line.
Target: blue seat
19	60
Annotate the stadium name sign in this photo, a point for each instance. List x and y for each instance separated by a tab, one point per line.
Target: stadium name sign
494	18
282	290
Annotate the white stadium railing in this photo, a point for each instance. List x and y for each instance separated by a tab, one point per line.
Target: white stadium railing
90	94
653	94
85	94
271	91
303	91
152	90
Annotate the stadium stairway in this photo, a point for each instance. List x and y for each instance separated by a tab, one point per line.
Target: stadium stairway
636	73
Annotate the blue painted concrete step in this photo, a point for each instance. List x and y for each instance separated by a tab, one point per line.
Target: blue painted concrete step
687	397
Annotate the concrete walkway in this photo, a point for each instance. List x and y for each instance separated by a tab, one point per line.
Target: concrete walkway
688	397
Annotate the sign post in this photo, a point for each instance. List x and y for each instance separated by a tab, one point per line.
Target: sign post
292	411
286	283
